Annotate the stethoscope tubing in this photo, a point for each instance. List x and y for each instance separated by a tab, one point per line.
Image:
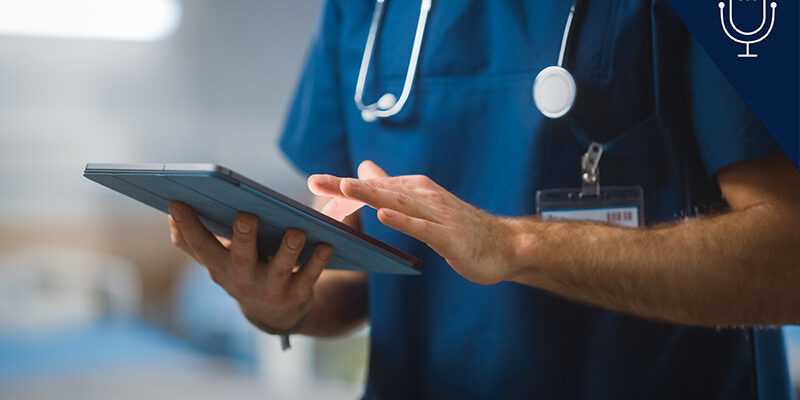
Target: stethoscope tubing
565	37
369	48
543	87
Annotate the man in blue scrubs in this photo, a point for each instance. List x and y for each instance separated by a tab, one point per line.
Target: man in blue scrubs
510	306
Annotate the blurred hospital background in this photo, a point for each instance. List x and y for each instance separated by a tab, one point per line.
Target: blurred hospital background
95	303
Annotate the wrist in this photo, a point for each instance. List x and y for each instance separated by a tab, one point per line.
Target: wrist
289	329
524	248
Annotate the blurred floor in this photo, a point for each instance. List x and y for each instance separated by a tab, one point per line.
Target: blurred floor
171	384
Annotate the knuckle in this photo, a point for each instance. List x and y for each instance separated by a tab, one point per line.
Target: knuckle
404	199
422	180
372	185
427	227
432	195
443	212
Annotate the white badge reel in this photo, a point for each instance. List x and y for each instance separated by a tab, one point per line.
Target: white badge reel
554	91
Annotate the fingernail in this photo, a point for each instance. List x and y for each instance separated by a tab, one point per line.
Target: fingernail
324	253
176	214
243	227
293	242
389	213
173	238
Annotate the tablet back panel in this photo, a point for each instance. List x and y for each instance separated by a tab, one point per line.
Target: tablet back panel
217	195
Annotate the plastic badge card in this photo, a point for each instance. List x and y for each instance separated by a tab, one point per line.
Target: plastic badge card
619	205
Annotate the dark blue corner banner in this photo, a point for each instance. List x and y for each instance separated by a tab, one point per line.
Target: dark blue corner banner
756	44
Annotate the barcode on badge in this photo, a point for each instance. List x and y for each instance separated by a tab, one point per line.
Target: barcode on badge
623	216
616	217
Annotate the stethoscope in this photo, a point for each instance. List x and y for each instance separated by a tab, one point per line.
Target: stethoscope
388	105
554	89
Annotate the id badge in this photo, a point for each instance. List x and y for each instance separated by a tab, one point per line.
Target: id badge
619	205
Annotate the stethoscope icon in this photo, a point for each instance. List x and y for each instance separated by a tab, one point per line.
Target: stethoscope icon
554	89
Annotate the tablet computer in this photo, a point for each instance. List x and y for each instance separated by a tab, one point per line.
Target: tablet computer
218	194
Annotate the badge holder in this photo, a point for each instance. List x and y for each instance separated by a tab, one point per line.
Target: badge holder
618	205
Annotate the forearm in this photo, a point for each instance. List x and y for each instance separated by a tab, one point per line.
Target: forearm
737	268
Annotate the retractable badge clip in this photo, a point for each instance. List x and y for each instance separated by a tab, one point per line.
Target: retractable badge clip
590	176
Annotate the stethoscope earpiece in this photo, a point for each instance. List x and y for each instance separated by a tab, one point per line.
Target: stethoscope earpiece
386	102
368	115
554	91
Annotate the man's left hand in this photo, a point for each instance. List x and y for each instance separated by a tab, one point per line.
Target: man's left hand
477	245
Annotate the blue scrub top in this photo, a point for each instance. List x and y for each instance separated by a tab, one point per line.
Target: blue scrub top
645	88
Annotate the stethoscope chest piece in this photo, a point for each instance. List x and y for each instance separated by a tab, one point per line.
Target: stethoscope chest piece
554	91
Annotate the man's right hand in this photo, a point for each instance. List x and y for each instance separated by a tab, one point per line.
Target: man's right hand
270	294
